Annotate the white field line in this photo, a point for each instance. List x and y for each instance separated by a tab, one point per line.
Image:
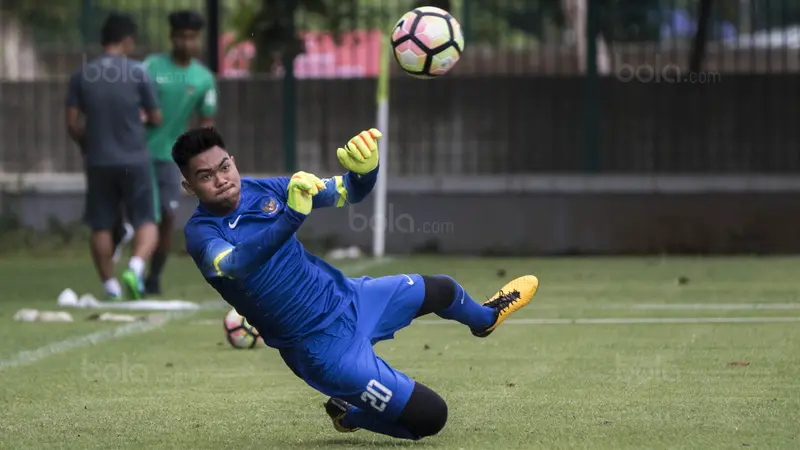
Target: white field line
661	287
604	321
670	306
219	304
630	321
26	357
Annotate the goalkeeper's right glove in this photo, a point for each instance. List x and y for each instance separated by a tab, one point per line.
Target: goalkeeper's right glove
302	187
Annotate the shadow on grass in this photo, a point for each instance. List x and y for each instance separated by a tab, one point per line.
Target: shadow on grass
356	442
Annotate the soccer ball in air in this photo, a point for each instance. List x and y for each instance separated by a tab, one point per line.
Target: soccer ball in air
427	42
239	333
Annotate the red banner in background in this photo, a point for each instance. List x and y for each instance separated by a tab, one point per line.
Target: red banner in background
356	56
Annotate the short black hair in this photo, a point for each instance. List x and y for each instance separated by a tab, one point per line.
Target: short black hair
186	20
195	142
116	28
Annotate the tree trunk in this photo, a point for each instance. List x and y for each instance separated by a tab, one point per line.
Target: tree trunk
700	39
576	13
19	58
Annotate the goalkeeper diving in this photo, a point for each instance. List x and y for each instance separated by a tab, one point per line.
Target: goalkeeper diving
324	324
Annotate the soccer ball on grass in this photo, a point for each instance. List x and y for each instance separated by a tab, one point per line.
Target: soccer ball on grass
239	333
427	42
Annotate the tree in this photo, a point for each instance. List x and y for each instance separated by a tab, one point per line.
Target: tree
270	25
701	37
493	18
583	22
42	19
531	20
40	13
24	24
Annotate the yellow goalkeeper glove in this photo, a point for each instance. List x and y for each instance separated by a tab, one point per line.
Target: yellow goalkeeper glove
302	187
360	155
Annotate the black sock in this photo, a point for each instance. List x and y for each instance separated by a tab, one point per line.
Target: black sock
118	233
448	299
157	263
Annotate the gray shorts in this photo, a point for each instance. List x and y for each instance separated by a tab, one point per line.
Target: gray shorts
168	181
111	188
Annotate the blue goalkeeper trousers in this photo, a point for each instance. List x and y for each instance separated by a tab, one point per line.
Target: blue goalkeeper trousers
340	361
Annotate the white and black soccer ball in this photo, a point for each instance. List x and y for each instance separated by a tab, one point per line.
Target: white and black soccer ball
427	42
239	333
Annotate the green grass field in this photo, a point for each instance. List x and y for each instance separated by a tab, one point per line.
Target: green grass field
613	353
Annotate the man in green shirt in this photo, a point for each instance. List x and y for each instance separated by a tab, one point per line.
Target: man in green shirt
185	88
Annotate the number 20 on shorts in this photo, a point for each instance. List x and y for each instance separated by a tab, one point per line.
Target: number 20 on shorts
377	395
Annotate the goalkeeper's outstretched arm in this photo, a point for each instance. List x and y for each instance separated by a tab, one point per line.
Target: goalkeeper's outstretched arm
350	188
218	258
339	191
360	157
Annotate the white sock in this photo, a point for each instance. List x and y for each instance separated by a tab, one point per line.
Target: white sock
112	287
137	266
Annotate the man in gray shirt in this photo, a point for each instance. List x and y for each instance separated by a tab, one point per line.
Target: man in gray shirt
110	100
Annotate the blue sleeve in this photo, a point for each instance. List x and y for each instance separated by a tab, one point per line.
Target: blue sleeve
350	188
357	187
332	195
217	258
74	91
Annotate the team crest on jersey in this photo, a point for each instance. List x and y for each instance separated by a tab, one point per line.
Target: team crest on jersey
270	207
190	89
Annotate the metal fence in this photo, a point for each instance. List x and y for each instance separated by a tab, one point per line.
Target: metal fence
526	97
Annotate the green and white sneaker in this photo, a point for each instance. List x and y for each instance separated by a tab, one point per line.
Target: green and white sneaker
132	284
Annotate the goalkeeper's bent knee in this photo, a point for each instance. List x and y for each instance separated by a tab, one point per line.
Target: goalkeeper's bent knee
425	414
440	292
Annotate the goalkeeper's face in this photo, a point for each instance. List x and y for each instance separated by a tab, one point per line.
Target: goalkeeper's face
212	176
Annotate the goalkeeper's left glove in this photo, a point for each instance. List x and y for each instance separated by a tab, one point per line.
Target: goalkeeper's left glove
360	155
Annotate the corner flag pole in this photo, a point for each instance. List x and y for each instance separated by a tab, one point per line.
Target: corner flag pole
379	231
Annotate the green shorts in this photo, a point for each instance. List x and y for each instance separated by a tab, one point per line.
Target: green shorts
168	182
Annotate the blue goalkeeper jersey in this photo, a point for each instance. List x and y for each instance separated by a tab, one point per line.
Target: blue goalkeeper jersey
253	259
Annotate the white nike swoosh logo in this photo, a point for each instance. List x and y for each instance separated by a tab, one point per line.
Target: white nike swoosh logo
234	223
410	281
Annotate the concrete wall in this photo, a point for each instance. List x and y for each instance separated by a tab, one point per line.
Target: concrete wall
537	215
